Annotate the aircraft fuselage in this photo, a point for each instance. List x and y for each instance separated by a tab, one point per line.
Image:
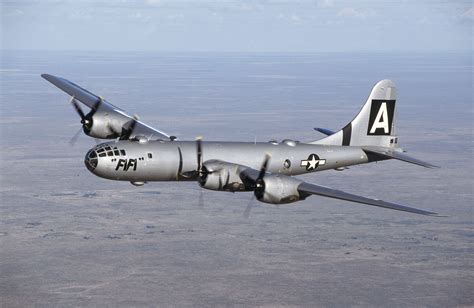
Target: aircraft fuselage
170	161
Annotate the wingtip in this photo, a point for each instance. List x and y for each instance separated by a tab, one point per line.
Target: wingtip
439	215
48	77
430	166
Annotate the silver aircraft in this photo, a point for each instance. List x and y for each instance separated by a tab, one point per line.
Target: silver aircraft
139	153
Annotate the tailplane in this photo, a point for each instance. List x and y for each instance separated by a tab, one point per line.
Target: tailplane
374	125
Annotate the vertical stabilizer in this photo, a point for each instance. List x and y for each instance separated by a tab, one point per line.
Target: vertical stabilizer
374	125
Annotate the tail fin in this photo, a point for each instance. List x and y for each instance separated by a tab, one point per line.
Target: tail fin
374	125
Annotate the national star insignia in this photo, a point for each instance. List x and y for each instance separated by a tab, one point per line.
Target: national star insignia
312	162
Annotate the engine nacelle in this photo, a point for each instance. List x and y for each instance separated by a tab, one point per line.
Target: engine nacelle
278	189
221	176
104	126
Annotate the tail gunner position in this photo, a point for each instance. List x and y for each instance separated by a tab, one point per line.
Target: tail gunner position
139	153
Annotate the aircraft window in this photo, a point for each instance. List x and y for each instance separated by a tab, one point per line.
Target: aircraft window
108	148
116	152
391	141
122	152
115	148
101	154
110	153
100	150
93	155
150	155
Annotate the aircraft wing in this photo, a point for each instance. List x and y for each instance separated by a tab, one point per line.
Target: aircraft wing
314	189
304	188
91	100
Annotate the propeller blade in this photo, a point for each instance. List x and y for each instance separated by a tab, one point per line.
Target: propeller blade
133	124
201	198
249	207
201	172
129	130
97	104
74	138
259	188
111	128
264	167
199	154
77	108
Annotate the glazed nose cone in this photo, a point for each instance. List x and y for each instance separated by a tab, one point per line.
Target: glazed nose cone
91	160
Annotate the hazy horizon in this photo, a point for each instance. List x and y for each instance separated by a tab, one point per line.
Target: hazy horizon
236	26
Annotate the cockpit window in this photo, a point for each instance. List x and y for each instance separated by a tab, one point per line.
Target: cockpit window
93	154
107	150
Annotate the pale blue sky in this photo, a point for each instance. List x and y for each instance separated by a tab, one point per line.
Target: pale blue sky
259	25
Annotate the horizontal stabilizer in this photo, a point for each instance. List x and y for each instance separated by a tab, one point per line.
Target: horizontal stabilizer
325	131
313	189
389	153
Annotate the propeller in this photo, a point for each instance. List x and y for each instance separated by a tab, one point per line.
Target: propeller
259	182
77	108
199	153
259	186
86	119
128	131
201	170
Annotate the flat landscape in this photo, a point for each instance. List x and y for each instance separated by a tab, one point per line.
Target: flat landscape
68	238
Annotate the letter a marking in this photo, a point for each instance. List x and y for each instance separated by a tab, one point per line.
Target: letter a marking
381	120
